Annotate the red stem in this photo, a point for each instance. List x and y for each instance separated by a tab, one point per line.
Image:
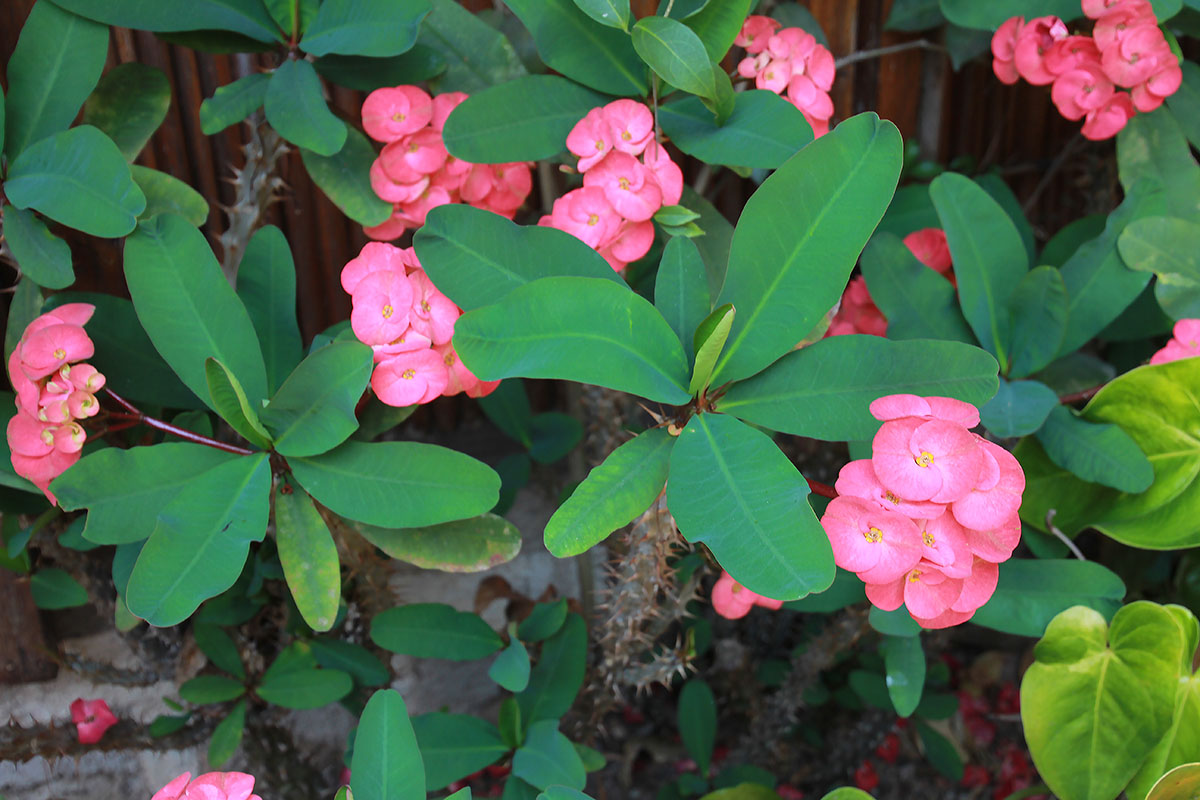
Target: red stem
134	413
823	489
1079	397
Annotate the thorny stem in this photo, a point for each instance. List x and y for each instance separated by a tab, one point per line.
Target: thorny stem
132	412
878	52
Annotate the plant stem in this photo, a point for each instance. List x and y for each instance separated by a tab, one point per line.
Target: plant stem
878	52
133	412
1078	397
1062	536
823	489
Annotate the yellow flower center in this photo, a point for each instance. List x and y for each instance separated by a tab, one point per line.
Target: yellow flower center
873	535
928	539
424	305
408	374
386	311
914	576
626	135
891	498
449	359
593	219
397	117
623	182
60	354
599	144
925	459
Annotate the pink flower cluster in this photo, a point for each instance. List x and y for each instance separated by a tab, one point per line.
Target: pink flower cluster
926	520
92	718
1126	49
53	391
611	213
792	61
733	601
415	173
1184	344
209	786
858	312
409	324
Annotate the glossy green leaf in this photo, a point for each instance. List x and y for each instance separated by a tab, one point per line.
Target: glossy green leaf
77	177
54	67
571	43
292	16
1185	102
24	308
893	623
128	105
229	401
904	659
989	259
200	543
398	484
266	285
1181	743
233	102
1038	310
613	494
1097	699
558	674
368	74
377	28
553	435
917	302
248	19
454	746
582	329
696	717
847	793
613	13
547	758
1181	783
308	555
295	657
345	179
764	130
434	630
990	16
799	236
313	411
211	689
166	194
1071	237
1019	408
476	54
305	688
476	257
510	670
215	643
53	588
714	245
718	23
1153	146
681	291
709	339
296	108
914	15
998	190
563	792
846	590
824	391
353	659
42	256
469	545
386	764
1162	245
188	308
227	736
1097	453
732	489
526	119
940	752
675	53
510	722
1031	592
124	490
543	622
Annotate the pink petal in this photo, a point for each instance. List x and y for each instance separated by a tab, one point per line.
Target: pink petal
887	596
928	593
990	508
894	462
173	790
898	406
977	587
730	599
996	544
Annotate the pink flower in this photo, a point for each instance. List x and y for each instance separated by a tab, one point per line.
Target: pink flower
1081	90
666	172
49	348
209	786
1034	39
1135	55
92	718
774	76
858	312
857	479
997	544
632	126
376	257
732	600
41	471
793	44
924	590
1071	53
1118	18
1095	9
1004	44
1106	121
389	114
756	32
926	460
433	314
633	240
443	105
406	342
84	377
629	187
820	67
945	544
930	248
381	305
1185	343
1149	95
897	406
591	139
461	379
996	496
410	378
28	436
877	544
587	215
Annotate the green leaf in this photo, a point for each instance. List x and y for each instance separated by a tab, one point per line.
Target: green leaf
305	688
681	291
917	302
547	758
200	543
989	258
732	489
1038	310
128	105
763	131
510	670
376	28
847	793
940	752
510	722
24	308
308	555
1071	237
914	15
43	257
454	746
1180	783
717	24
824	391
709	339
434	630
266	285
248	19
469	545
1153	145
124	490
233	102
799	236
313	412
526	119
583	329
188	308
1185	103
990	16
714	245
1181	744
904	659
345	179
476	257
612	495
998	190
696	718
893	623
77	177
296	109
292	16
215	643
398	484
227	736
1031	592
543	622
54	67
166	194
846	590
476	54
613	13
675	53
368	74
1162	245
558	675
164	725
1019	408
353	659
743	791
1093	709
1097	453
387	761
570	43
207	689
53	589
674	216
229	401
553	436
